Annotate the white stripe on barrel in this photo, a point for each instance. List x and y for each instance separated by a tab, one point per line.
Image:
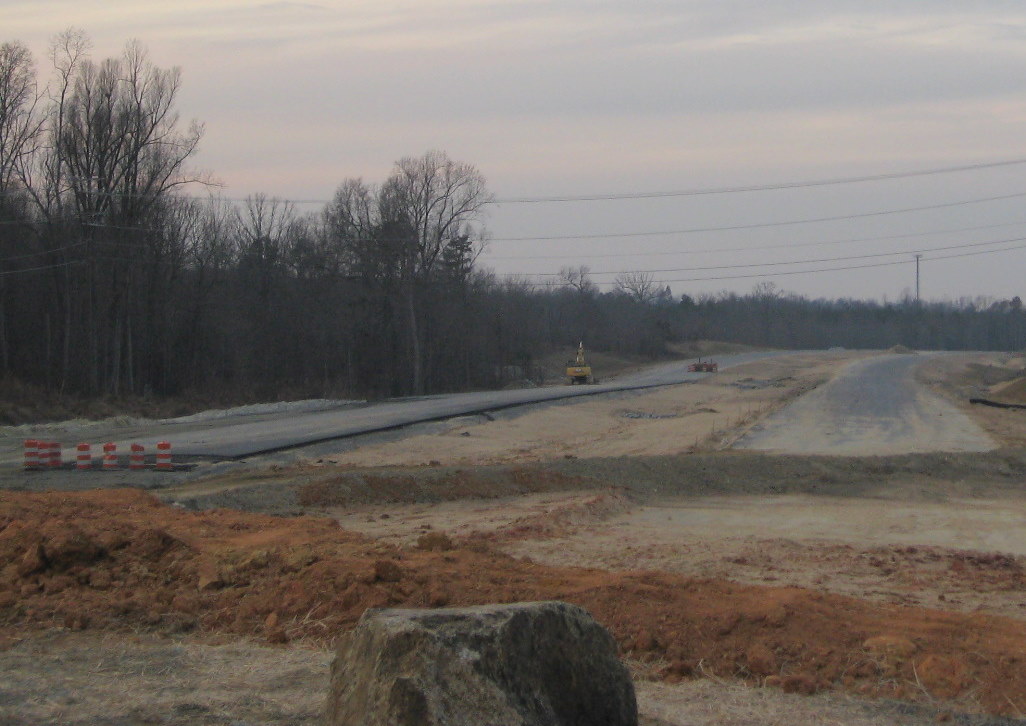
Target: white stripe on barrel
31	454
164	456
110	456
85	457
137	459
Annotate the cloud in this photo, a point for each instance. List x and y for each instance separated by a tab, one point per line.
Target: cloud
581	95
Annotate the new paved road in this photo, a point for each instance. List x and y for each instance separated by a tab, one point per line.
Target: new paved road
875	406
234	439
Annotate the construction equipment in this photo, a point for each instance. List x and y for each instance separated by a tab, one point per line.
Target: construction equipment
709	366
578	371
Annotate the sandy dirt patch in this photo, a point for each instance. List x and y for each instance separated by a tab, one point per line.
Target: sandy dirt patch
962	554
996	376
65	562
698	416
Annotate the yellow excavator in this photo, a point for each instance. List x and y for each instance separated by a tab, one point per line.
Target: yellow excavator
578	371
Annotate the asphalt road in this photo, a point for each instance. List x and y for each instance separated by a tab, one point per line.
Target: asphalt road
237	438
875	406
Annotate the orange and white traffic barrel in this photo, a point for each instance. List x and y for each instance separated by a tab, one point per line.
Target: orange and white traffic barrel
84	460
110	456
31	454
164	456
137	459
55	455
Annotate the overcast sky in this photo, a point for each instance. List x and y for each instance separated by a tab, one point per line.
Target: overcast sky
572	98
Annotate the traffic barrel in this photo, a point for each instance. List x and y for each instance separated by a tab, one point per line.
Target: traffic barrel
110	456
31	454
164	456
85	457
55	455
137	459
44	454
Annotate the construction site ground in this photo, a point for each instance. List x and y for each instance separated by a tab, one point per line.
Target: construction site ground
741	587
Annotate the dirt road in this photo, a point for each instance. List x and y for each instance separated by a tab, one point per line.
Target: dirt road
872	407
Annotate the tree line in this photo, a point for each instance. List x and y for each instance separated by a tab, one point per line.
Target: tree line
115	281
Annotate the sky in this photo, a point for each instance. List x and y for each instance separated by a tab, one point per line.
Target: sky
569	98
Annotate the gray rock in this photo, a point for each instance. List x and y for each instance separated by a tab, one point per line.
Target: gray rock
524	664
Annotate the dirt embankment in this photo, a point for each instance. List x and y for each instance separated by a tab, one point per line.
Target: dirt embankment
293	490
65	561
994	376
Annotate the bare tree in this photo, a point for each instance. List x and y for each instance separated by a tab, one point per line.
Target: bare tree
349	223
266	229
439	198
20	125
114	155
19	133
430	204
766	291
67	52
119	139
638	285
578	278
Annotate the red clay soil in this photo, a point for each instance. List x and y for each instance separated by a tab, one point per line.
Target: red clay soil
123	560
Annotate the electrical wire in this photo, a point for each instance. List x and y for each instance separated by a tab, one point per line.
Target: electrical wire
761	225
555	284
849	267
758	187
786	245
69	263
781	273
41	253
645	195
804	262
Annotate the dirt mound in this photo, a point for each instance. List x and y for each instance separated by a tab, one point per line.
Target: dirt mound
986	374
1014	391
431	485
564	518
120	559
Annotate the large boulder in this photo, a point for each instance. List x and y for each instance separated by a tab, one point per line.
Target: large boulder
525	664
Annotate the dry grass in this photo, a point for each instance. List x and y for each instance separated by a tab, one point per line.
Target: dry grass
709	702
25	403
62	678
94	679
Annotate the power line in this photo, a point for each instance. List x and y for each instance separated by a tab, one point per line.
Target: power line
30	223
703	191
804	262
786	245
70	263
758	187
855	267
810	272
761	225
42	253
697	230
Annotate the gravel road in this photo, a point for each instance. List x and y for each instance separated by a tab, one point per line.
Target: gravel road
873	407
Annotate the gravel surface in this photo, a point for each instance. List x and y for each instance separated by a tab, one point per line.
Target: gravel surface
873	407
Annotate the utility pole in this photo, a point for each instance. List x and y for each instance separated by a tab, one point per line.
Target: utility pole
918	256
